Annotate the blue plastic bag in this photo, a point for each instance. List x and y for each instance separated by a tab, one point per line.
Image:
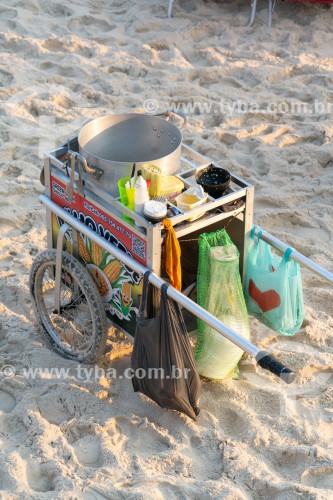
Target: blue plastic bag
273	288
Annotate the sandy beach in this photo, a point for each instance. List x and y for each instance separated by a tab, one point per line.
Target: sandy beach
260	102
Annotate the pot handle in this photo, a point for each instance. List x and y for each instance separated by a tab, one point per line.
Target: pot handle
70	184
95	171
170	112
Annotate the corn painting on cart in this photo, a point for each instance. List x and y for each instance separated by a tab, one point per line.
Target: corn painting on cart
91	273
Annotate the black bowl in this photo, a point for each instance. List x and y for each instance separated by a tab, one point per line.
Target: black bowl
214	180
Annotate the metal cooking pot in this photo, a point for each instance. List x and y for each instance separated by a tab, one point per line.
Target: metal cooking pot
111	145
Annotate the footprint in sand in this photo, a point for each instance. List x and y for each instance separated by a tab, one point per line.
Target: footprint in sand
265	203
8	13
322	478
148	27
206	458
289	457
227	138
234	423
5	78
268	403
10	228
41	477
293	140
7	402
87	21
159	45
54	412
246	78
54	45
142	437
6	482
57	9
86	445
3	337
199	458
88	451
66	71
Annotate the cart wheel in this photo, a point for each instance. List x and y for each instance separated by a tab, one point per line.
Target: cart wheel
79	331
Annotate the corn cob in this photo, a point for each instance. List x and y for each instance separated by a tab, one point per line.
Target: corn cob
126	290
112	270
83	252
96	253
158	184
152	173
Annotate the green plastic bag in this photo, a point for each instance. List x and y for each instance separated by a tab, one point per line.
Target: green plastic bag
220	292
273	288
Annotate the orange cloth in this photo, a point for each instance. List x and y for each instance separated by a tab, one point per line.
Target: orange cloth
172	255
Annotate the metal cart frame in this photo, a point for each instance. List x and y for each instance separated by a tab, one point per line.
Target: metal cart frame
64	174
62	185
56	175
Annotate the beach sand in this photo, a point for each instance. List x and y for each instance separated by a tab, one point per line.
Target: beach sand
62	63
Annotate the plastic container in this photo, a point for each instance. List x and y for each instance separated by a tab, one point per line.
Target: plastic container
141	195
214	180
155	211
131	198
122	190
171	187
190	199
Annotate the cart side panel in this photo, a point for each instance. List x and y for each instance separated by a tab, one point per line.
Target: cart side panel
119	286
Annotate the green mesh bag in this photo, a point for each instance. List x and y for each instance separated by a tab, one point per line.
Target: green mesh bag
220	292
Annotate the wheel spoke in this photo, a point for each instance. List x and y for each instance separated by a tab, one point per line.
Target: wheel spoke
74	325
78	330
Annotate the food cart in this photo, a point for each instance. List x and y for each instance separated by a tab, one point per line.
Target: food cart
91	273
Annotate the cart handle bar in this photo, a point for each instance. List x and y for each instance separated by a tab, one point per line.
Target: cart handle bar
264	359
295	255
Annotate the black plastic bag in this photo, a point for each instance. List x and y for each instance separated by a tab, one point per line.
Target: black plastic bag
162	360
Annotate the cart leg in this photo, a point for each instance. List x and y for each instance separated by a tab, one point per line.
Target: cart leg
75	244
271	6
187	291
60	242
47	174
170	8
252	13
154	246
269	14
248	222
75	253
